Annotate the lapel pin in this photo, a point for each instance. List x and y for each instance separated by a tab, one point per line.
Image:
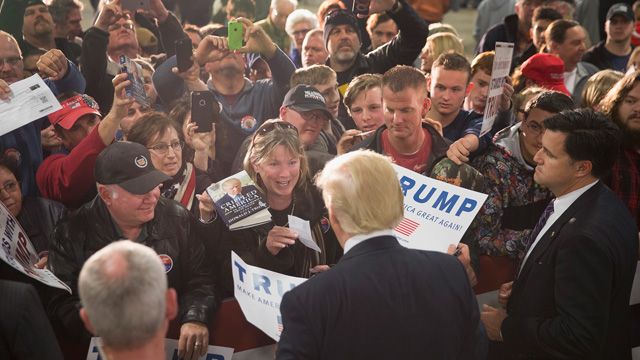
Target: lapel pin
572	220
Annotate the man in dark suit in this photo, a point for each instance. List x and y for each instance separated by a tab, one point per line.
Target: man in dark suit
25	332
235	192
570	299
381	300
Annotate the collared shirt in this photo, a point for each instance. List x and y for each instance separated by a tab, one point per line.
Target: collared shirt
357	239
560	205
570	78
143	232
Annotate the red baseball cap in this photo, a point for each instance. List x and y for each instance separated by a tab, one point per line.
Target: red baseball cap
547	71
73	109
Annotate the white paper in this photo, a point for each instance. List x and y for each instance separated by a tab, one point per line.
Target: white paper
499	72
31	99
259	293
303	229
436	213
171	351
635	288
267	352
489	298
18	252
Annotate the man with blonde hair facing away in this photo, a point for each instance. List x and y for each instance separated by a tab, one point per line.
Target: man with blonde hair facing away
123	289
379	292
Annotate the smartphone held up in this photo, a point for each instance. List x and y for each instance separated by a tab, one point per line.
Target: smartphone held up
235	35
205	110
134	74
134	5
184	52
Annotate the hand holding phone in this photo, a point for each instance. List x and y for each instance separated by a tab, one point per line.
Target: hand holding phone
205	110
235	35
134	74
360	8
184	51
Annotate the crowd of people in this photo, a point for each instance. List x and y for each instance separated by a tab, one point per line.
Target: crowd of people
315	107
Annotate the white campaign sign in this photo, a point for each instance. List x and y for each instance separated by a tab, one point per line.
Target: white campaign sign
259	293
170	349
436	213
31	99
19	253
500	70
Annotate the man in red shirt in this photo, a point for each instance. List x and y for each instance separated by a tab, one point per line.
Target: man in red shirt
407	136
68	177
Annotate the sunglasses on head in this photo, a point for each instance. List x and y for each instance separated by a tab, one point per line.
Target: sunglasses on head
270	126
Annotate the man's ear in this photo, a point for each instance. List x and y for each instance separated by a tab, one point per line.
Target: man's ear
469	88
584	168
426	106
283	112
333	220
86	321
104	193
172	304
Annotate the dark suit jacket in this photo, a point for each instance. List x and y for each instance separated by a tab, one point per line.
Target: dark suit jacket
571	299
383	301
25	332
227	198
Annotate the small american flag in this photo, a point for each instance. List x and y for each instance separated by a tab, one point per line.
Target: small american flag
407	227
280	327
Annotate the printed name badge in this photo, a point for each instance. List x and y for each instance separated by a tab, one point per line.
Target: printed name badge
167	261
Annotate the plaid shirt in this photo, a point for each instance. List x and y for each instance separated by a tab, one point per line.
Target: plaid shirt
625	180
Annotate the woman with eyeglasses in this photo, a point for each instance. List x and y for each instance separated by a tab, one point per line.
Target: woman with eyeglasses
37	216
276	162
160	134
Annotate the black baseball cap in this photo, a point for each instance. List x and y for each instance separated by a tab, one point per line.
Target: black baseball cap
621	9
128	165
306	98
34	2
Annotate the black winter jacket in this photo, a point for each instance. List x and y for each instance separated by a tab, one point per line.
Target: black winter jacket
172	233
295	260
38	218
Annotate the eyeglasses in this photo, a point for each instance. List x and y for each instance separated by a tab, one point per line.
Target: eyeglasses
9	187
116	26
163	148
311	115
141	110
534	128
12	61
